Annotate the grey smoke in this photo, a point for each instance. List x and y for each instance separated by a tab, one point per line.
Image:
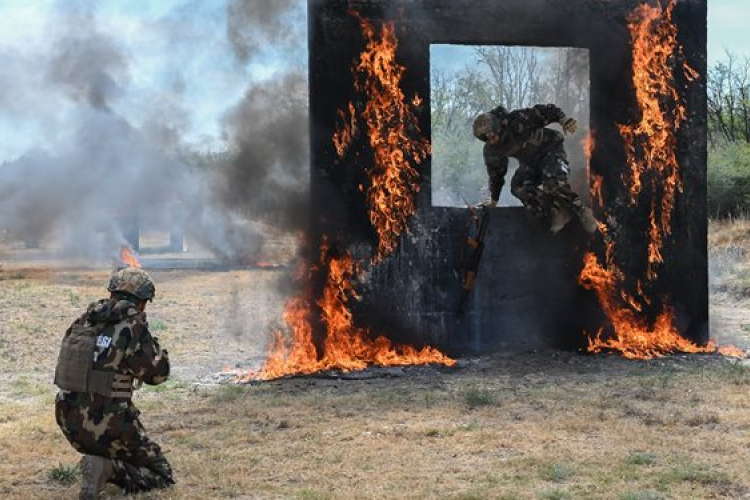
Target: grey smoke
269	172
97	166
90	67
253	25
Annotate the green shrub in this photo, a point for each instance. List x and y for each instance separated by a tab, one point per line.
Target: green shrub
641	458
556	473
65	474
729	180
157	325
476	397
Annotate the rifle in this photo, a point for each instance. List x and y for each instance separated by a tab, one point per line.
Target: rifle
475	241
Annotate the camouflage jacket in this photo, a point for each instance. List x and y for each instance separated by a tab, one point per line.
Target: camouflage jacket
522	136
131	351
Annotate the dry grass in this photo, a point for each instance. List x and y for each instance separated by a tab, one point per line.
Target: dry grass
729	247
729	276
570	427
535	426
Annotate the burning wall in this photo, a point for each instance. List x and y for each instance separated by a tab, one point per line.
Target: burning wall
527	292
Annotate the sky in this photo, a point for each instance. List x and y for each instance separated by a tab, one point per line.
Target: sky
179	65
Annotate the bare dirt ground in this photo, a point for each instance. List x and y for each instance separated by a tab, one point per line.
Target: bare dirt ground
535	425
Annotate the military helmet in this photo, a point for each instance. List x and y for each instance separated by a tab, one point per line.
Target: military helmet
133	281
484	125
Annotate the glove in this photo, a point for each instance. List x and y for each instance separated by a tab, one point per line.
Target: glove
569	125
488	203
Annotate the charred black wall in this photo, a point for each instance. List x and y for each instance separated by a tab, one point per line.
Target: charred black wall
527	292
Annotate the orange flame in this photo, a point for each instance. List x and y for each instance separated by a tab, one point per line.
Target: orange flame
343	137
634	337
393	135
392	130
129	258
650	147
346	347
589	143
650	144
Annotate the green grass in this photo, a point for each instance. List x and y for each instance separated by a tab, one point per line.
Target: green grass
28	328
27	386
308	494
556	472
643	495
555	494
229	392
65	474
157	325
641	458
170	385
735	372
693	473
73	298
475	397
475	494
470	426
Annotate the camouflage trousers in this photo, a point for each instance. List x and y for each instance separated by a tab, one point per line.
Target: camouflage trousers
544	186
109	428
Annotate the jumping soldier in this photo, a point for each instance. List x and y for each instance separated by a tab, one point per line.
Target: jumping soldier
103	353
541	181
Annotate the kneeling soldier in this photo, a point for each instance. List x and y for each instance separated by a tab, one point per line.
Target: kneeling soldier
103	353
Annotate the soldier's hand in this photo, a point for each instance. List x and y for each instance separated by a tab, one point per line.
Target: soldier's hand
488	203
569	125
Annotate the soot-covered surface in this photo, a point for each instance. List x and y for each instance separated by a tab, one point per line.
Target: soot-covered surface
527	292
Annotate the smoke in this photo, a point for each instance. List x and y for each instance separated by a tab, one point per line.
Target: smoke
253	26
100	164
88	65
269	172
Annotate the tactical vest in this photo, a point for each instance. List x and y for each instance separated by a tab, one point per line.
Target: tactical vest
75	372
538	142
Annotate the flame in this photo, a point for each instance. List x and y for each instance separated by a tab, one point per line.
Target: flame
589	143
129	258
633	335
650	144
392	131
650	147
346	347
343	137
729	351
393	134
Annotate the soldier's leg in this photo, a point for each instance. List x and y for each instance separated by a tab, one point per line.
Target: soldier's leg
555	184
115	433
525	186
139	464
562	197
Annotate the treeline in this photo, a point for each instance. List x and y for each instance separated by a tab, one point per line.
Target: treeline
729	137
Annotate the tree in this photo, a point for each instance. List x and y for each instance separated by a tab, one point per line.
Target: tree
515	74
729	100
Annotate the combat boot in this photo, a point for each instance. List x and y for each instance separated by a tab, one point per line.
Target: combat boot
560	218
95	471
588	221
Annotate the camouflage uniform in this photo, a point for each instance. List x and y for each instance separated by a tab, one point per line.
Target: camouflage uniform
541	181
109	427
